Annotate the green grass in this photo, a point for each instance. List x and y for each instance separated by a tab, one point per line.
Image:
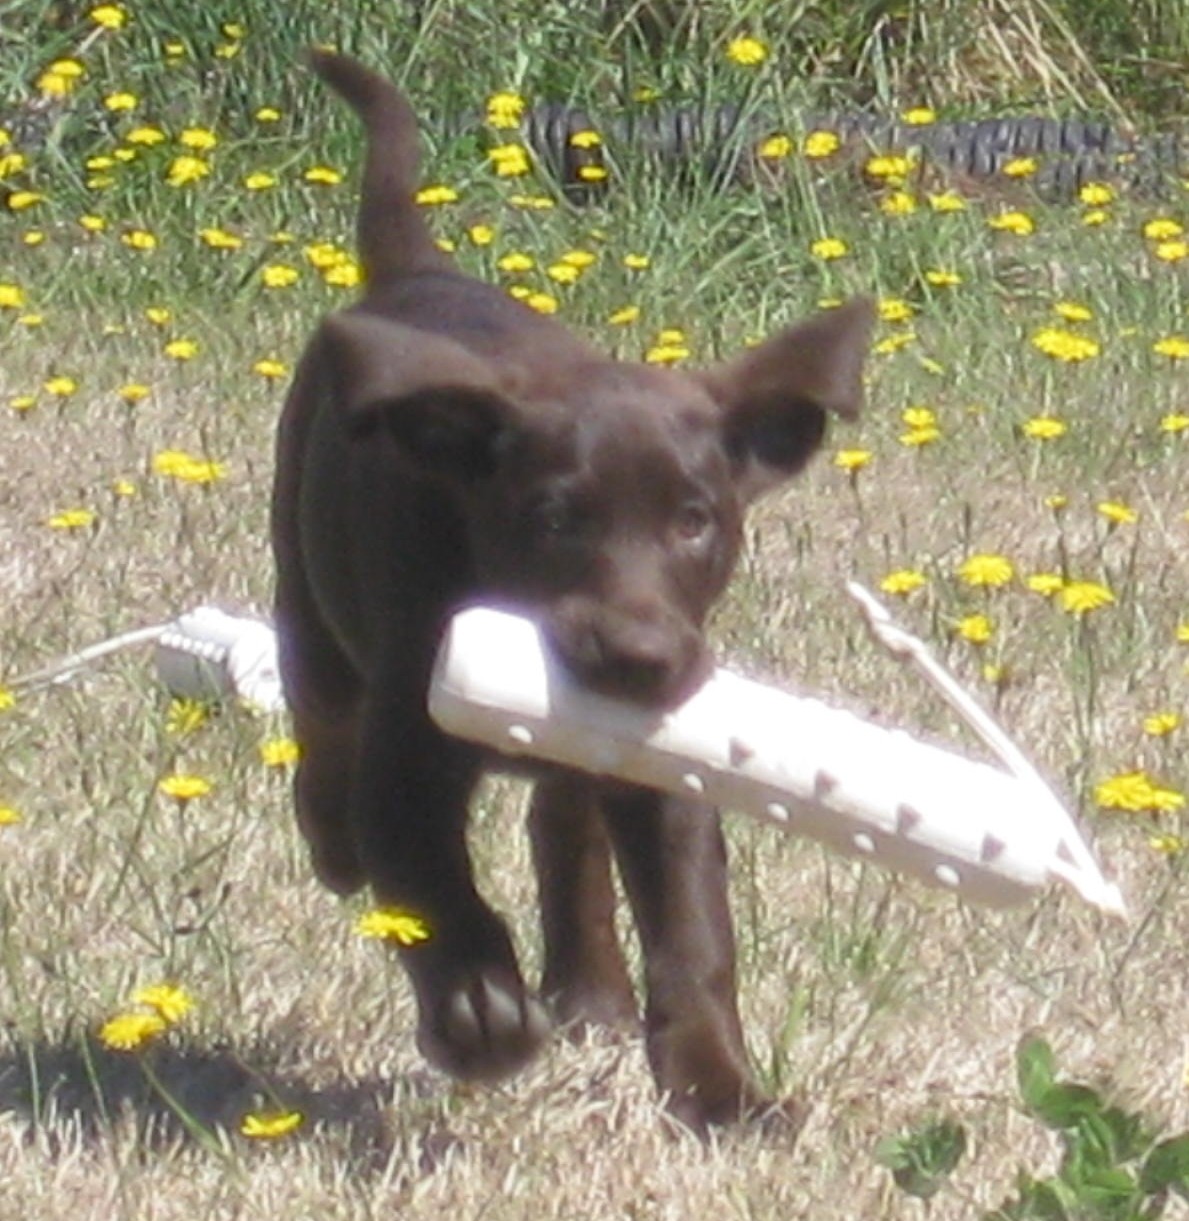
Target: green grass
885	1004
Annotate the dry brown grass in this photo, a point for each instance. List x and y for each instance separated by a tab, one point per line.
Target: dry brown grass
881	1003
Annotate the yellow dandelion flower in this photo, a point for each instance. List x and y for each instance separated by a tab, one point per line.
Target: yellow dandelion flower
1082	597
852	460
1020	167
220	239
516	262
92	223
532	203
9	817
1172	252
393	924
182	787
1168	845
198	139
919	116
159	315
12	296
893	309
828	248
1096	194
946	201
1073	311
145	136
903	581
270	1125
986	571
435	196
505	110
891	167
60	387
22	402
1135	793
72	519
774	148
898	203
1019	223
278	275
746	51
663	353
279	752
585	139
109	16
563	273
1117	513
942	278
186	716
170	1002
509	160
1161	724
624	316
19	201
1057	501
976	629
121	102
1064	345
323	176
184	170
637	262
1175	347
260	180
820	144
267	114
181	349
347	274
1174	422
270	368
1044	428
1162	229
61	78
543	303
7	699
139	239
1045	583
481	235
129	1031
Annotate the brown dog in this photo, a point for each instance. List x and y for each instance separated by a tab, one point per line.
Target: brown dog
443	444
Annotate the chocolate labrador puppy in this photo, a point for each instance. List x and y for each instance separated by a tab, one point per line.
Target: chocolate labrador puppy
443	444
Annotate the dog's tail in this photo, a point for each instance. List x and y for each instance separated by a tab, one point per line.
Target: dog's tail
393	237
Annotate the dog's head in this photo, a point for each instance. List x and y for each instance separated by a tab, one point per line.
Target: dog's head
606	498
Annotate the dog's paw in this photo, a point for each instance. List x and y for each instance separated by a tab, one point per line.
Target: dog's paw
484	1027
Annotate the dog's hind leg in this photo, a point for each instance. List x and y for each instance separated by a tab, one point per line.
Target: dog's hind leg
324	697
585	979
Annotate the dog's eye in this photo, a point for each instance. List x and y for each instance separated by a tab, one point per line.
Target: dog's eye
694	522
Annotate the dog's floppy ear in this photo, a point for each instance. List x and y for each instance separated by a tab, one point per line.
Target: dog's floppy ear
775	397
439	402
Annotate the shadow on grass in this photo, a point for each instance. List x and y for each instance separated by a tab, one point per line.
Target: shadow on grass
78	1087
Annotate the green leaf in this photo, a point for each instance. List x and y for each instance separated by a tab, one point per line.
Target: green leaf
1035	1068
1167	1166
921	1160
1066	1104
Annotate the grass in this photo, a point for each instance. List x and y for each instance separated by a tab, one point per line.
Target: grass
884	1004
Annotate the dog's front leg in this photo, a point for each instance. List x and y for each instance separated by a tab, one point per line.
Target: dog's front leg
585	979
673	861
476	1019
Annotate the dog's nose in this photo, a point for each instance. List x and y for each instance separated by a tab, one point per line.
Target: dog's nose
653	664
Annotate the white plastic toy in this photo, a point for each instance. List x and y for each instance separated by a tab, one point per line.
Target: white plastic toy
204	654
993	836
